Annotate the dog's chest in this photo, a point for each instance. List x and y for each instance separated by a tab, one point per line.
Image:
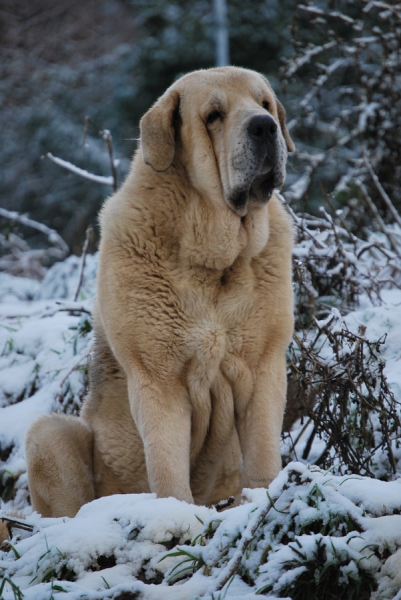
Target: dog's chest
226	331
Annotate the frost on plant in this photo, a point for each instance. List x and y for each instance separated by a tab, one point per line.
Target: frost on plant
347	402
344	83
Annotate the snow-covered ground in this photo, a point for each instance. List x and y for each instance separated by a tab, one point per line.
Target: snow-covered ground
342	533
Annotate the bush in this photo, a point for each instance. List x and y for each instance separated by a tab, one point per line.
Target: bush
346	70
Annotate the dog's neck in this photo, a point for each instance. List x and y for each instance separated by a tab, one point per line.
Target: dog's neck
213	236
206	232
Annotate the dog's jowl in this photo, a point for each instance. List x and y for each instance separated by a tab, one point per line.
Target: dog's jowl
193	312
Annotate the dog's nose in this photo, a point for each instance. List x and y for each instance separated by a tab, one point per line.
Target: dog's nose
262	129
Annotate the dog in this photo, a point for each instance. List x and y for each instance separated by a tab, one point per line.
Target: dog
194	310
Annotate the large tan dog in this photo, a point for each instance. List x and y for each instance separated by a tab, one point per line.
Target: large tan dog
194	310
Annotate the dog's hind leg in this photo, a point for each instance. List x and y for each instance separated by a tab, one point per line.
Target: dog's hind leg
59	464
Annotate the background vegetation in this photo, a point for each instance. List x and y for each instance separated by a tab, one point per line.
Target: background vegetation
70	74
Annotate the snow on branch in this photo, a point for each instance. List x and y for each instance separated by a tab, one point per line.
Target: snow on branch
384	195
340	63
297	190
349	107
332	262
395	9
314	10
305	58
226	574
82	172
52	235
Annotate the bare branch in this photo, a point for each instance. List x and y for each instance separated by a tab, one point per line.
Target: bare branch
109	143
82	172
302	60
231	568
52	235
333	15
378	218
382	191
88	236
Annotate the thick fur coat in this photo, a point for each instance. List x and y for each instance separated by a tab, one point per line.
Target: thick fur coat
194	310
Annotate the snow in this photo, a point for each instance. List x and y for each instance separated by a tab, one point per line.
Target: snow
379	320
130	528
164	548
17	288
135	529
78	171
61	281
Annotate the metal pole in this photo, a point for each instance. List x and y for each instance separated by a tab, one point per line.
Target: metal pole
222	41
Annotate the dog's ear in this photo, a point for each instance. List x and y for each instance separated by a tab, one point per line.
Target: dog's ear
157	132
283	125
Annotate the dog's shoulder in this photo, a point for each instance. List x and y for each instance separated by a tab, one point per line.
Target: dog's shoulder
141	221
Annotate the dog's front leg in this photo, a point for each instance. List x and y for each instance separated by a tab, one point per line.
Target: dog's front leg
163	419
259	421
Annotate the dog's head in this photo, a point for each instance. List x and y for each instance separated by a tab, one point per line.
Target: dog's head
227	128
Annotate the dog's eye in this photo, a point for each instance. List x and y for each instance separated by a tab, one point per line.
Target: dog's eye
266	105
212	117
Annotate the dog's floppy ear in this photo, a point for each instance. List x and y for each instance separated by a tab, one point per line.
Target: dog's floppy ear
283	125
157	132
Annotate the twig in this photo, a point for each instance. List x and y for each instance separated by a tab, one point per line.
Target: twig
381	6
223	504
319	83
378	218
50	311
302	60
232	566
88	236
16	524
299	222
74	368
382	191
82	172
87	121
333	15
304	428
52	235
108	141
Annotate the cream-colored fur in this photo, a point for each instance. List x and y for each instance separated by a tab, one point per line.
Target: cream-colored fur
194	310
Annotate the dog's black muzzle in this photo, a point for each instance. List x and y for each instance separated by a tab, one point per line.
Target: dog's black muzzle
262	130
266	168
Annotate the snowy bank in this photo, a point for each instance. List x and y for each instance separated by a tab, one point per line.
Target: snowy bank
344	533
312	532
